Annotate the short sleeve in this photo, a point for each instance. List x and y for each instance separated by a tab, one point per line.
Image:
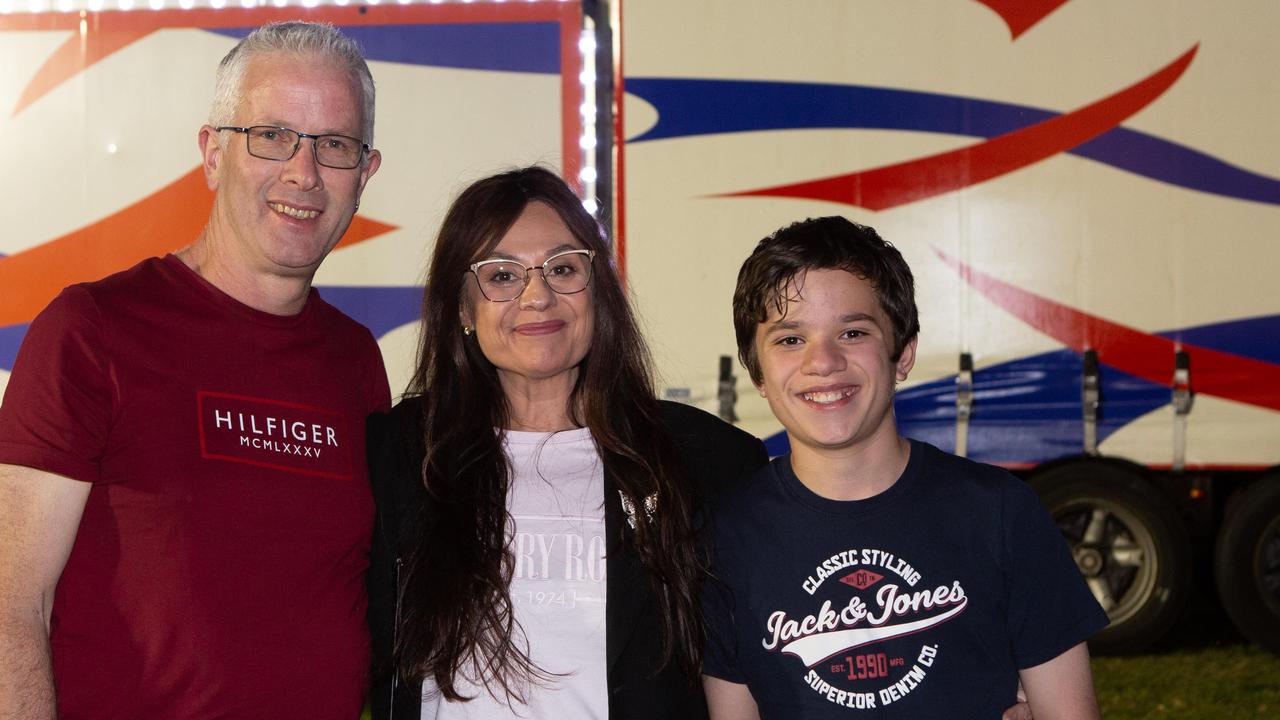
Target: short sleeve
1050	608
59	403
720	656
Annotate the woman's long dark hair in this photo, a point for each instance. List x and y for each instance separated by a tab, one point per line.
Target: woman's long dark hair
456	598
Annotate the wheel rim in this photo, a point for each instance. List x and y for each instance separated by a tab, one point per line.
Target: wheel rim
1115	551
1266	566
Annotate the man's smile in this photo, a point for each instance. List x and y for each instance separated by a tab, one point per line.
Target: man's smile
294	212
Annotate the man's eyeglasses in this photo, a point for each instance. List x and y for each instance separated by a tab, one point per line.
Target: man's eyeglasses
566	273
280	143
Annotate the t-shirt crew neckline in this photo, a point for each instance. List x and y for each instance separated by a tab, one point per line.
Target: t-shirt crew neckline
558	437
193	279
903	487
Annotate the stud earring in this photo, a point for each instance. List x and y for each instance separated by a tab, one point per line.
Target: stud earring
467	330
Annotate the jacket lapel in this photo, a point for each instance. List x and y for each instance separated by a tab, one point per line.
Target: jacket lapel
627	588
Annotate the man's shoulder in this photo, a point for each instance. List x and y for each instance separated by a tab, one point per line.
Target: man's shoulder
91	302
124	285
338	321
152	270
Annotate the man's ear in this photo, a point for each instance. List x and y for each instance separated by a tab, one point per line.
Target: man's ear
210	142
371	165
906	360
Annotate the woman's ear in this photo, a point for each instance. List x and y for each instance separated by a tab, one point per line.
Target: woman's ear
465	319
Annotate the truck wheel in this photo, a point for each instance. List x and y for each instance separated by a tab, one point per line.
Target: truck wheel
1129	544
1247	562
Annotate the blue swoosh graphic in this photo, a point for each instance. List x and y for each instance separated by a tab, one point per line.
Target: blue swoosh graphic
532	47
1031	406
1026	410
10	339
688	107
1255	337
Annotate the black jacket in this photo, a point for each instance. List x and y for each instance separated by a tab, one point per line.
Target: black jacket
715	455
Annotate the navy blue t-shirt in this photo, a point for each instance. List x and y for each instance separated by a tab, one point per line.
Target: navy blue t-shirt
920	602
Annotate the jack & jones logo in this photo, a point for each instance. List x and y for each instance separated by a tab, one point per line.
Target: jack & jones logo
847	646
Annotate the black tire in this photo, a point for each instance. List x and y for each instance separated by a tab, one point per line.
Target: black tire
1247	561
1129	543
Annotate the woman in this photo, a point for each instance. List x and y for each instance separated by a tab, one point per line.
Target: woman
533	554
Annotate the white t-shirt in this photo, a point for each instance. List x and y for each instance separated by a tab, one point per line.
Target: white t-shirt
557	502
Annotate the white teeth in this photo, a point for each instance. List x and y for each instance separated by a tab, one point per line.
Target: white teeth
294	212
825	398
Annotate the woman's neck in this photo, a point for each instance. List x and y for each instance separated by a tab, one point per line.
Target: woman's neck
539	405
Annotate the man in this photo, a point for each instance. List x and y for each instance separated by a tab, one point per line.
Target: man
864	574
184	509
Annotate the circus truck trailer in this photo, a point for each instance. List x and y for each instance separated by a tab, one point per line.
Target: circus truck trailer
1089	196
1087	192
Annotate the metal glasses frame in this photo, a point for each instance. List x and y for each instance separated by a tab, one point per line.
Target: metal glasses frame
591	254
315	153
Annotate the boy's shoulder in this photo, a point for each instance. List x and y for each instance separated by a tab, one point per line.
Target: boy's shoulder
942	471
755	491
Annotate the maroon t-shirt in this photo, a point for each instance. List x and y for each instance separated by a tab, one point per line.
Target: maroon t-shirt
219	566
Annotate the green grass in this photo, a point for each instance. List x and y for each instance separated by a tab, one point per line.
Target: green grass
1224	681
1216	683
1201	673
1202	669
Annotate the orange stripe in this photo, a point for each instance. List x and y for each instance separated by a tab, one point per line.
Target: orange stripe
158	224
107	32
75	56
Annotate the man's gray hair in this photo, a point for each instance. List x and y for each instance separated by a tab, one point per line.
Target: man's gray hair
301	38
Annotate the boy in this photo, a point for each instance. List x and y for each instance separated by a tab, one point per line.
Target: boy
866	575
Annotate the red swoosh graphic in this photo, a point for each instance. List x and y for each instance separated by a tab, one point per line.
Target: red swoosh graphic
1020	15
75	56
893	185
1150	357
160	223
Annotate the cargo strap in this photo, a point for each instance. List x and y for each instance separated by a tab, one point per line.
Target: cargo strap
964	403
727	391
1183	398
1089	399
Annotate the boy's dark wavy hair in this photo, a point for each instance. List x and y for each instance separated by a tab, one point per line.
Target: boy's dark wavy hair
825	243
